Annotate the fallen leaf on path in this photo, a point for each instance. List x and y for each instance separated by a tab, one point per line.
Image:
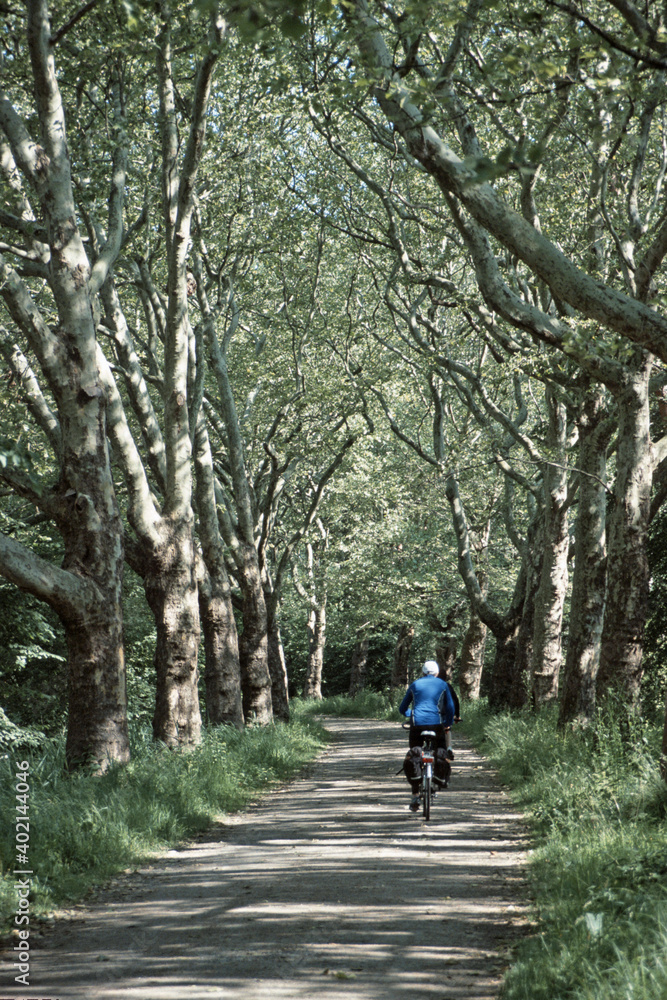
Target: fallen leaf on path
339	975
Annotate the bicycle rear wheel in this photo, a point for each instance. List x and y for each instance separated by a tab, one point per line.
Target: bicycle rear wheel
426	800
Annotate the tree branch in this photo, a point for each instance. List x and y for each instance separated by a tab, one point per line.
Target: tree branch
67	593
81	12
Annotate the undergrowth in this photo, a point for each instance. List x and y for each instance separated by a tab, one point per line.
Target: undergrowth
365	705
598	807
84	829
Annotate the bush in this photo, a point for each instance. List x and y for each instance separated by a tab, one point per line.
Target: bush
17	739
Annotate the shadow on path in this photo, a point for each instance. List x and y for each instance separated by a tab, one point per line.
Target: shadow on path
327	888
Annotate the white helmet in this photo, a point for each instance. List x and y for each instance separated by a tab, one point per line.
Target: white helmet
431	667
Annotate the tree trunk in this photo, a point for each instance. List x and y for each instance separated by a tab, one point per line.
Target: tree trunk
97	720
550	597
92	531
278	671
512	668
276	653
254	645
445	654
663	755
472	650
445	646
317	631
240	536
588	581
509	683
171	580
171	592
97	725
222	674
507	689
399	672
627	564
531	563
86	591
358	667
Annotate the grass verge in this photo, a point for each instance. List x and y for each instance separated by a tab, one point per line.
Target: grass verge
365	705
84	829
597	807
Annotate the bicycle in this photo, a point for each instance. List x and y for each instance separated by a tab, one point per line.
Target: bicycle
426	762
426	789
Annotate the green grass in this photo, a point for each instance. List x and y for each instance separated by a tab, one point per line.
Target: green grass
598	810
595	801
365	705
84	829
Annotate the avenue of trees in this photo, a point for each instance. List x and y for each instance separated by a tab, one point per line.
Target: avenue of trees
332	335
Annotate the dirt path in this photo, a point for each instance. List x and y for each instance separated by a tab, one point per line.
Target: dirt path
329	888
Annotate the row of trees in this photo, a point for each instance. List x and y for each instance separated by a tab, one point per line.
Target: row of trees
284	285
482	121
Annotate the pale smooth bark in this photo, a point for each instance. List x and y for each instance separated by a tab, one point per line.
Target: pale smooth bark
550	597
221	645
278	671
472	651
240	535
31	393
168	561
316	628
316	598
627	562
83	503
590	561
164	552
152	440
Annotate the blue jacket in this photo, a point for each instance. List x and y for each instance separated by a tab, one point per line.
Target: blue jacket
432	703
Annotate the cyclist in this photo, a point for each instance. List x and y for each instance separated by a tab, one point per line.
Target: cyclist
432	708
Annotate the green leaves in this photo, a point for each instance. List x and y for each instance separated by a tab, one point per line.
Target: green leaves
517	158
256	21
16	455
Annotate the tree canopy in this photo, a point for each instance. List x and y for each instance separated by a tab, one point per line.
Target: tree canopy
338	324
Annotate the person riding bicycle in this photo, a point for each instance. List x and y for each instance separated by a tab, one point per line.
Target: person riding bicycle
432	709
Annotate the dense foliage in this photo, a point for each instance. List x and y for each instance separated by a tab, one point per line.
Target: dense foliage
333	338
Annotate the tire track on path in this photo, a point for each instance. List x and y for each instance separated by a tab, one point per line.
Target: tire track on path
327	888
